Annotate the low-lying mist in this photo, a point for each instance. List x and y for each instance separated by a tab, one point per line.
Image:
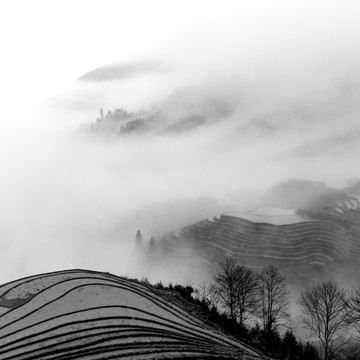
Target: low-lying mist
70	199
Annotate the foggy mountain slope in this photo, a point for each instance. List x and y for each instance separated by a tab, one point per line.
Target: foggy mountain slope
337	144
184	110
322	241
77	314
112	122
257	80
297	194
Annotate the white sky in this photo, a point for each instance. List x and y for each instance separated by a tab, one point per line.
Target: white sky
45	45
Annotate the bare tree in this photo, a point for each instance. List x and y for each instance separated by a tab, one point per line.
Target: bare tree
225	284
274	297
247	289
236	288
325	312
354	309
208	293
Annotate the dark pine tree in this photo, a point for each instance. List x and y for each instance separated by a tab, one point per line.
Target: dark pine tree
138	238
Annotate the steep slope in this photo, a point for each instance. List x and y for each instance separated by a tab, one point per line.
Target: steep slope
80	314
305	245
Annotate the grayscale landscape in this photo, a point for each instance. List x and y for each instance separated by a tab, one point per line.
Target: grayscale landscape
180	180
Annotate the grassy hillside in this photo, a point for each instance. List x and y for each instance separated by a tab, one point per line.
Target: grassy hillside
78	314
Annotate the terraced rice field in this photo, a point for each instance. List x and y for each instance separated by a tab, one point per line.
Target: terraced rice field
304	245
80	314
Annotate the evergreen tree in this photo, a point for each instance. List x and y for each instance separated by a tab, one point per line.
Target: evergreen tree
138	238
152	244
290	349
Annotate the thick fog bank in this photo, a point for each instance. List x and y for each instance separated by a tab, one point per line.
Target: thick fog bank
65	193
274	88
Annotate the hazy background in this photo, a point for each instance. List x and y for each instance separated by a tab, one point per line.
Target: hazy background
286	71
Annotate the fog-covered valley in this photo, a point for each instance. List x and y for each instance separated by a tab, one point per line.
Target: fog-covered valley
64	188
193	124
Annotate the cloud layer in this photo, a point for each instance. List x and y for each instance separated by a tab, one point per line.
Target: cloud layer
121	71
276	80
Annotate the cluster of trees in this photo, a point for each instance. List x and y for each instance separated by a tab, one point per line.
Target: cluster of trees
139	241
117	114
272	344
330	313
253	306
120	122
246	295
139	124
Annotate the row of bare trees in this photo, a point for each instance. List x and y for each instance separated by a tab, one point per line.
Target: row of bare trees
245	294
331	313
